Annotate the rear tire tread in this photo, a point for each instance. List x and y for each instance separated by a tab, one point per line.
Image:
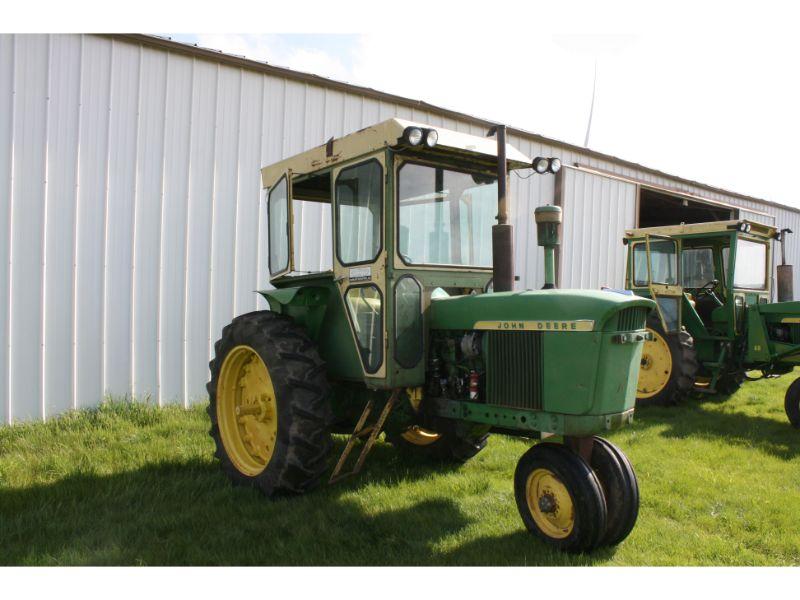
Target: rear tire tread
684	366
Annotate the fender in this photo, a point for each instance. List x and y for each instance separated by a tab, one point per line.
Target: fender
306	305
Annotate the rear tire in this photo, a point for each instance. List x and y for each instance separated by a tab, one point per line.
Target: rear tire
791	403
669	366
559	498
620	487
274	373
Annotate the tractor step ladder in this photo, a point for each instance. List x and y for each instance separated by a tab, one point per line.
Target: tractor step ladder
712	384
371	432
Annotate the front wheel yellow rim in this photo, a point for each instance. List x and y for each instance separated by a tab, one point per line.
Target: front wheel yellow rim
656	366
247	412
550	504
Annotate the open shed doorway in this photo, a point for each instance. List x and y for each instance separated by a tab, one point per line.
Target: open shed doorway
658	208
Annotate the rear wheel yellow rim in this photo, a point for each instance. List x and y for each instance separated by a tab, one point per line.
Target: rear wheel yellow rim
550	504
419	436
247	412
656	366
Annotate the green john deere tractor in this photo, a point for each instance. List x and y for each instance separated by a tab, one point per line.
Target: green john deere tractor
414	331
715	325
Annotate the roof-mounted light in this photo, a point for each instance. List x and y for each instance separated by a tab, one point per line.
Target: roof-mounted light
431	137
540	165
544	165
412	136
744	227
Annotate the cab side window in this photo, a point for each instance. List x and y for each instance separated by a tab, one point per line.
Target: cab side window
359	205
278	208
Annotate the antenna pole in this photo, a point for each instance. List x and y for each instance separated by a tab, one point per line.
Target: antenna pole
591	108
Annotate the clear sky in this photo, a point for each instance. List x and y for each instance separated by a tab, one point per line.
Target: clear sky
719	104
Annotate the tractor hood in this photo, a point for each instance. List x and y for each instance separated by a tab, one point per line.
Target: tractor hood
545	310
789	310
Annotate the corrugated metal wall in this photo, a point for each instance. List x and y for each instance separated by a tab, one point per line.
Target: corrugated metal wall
597	211
133	226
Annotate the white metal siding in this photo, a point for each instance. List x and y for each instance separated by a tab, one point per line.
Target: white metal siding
132	226
597	211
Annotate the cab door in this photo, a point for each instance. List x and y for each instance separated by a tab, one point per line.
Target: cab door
359	262
281	231
663	279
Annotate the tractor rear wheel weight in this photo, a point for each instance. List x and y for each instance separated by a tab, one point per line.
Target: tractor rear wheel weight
620	487
269	406
673	356
791	403
559	498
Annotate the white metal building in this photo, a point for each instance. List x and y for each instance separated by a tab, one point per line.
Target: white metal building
133	227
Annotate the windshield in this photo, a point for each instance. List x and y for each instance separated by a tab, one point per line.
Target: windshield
445	216
697	267
664	262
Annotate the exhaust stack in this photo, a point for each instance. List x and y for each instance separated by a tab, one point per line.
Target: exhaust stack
503	232
548	220
785	275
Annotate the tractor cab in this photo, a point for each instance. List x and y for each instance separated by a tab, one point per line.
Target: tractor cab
394	216
703	273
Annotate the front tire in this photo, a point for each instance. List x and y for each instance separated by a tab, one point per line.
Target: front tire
668	368
791	403
269	406
620	487
559	498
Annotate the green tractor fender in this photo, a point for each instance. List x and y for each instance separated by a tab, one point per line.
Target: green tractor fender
307	305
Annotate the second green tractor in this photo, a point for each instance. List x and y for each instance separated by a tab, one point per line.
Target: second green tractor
715	325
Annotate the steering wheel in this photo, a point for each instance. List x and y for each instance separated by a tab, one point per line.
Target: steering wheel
709	288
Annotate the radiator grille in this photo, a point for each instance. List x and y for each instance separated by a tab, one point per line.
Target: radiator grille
514	369
632	319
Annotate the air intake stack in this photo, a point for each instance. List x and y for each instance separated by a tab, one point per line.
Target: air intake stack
548	220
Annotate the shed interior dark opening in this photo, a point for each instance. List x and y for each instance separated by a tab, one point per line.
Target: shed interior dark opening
658	208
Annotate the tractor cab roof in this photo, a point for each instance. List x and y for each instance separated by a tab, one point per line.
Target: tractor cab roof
389	134
712	228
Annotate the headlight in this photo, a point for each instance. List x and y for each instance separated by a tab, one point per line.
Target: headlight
431	138
540	164
412	136
744	227
544	165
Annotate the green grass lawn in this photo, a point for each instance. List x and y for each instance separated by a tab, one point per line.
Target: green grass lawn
131	484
